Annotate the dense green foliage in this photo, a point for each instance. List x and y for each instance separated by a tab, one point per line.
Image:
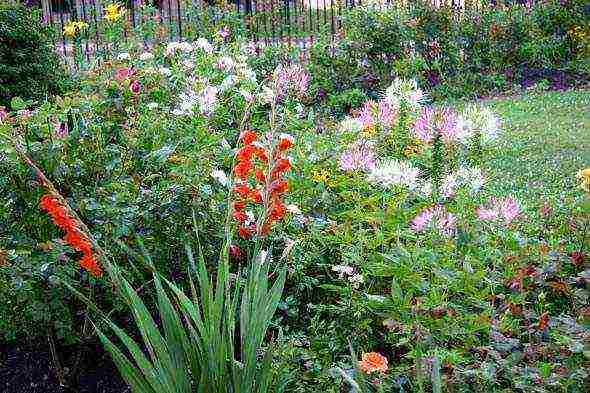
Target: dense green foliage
478	53
29	67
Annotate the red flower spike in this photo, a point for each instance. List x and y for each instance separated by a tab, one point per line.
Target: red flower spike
282	165
286	142
260	153
255	196
74	237
239	205
242	190
241	170
239	216
260	176
248	137
245	233
279	187
245	153
277	211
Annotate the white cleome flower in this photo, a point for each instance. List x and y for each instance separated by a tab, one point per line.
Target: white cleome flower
146	56
395	173
220	176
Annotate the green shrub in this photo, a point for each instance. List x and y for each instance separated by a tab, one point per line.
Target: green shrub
29	68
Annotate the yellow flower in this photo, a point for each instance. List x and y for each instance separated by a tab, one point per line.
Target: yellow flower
70	29
369	130
584	175
113	12
321	176
411	150
81	25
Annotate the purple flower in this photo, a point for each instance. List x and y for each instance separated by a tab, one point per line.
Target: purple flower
291	78
135	87
60	129
436	217
432	122
3	114
223	32
504	209
360	156
423	129
387	114
365	116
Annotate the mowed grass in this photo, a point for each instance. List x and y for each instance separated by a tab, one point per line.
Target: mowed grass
546	140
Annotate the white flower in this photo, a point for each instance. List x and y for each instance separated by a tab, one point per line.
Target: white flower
226	63
406	91
188	65
351	124
293	209
203	44
481	120
208	99
250	219
395	173
165	71
472	177
356	280
228	82
267	95
448	186
146	56
225	144
123	56
152	105
343	270
425	189
221	177
185	47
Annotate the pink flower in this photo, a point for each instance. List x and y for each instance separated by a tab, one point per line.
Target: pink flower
423	128
509	209
365	116
3	114
504	209
436	217
223	32
60	129
387	114
135	87
432	122
123	73
486	214
360	156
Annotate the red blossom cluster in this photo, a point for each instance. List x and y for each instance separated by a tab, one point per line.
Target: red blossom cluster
74	236
259	174
126	75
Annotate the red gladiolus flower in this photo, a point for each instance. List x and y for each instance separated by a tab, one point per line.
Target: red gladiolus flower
277	211
242	190
260	176
278	187
260	153
255	196
235	252
245	153
241	170
248	137
74	237
239	205
89	263
282	165
286	142
239	216
245	232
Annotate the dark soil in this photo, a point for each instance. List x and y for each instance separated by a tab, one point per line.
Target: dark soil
31	370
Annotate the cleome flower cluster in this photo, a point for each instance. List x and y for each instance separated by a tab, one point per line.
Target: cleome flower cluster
74	236
259	169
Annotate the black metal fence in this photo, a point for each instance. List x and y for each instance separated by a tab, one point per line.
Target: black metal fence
265	21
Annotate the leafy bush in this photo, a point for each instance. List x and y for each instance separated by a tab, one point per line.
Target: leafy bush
481	52
29	67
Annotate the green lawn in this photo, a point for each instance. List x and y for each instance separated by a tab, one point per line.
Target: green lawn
546	141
